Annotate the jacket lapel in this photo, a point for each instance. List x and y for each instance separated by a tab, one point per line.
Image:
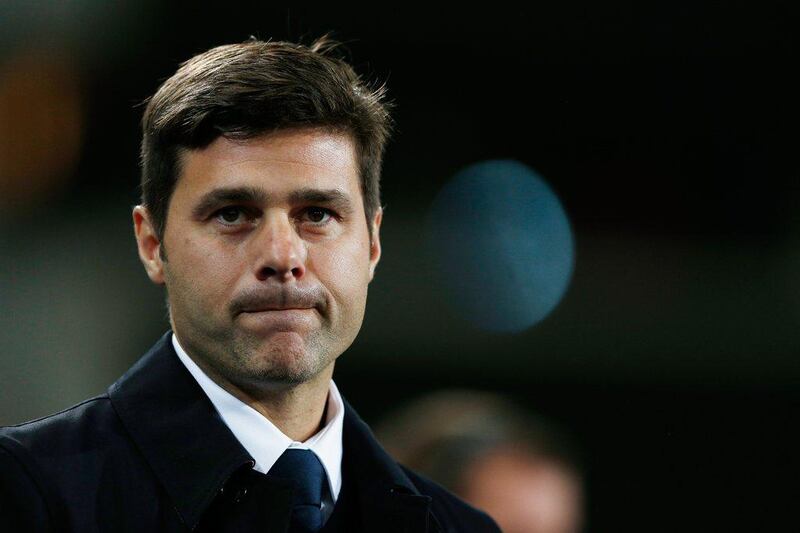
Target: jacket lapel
177	430
389	501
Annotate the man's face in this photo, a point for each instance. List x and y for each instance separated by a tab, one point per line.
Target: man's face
268	256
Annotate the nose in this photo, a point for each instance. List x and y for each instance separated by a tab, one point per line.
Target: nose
280	252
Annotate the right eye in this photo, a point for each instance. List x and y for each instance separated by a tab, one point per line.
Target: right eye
231	215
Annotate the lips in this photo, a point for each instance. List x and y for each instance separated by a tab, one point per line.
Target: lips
268	309
273	320
279	300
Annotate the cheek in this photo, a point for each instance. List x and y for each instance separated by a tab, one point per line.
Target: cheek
205	272
344	270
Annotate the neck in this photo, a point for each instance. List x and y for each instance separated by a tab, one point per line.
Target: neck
297	410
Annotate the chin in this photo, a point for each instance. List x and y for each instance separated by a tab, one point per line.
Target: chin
286	364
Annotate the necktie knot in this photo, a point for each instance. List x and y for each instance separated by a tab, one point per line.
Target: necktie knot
304	469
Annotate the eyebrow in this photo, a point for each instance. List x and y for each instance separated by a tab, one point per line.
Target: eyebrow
334	198
226	195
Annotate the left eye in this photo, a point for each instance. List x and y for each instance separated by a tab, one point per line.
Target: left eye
318	215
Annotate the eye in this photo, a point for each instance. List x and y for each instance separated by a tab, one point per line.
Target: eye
318	215
231	215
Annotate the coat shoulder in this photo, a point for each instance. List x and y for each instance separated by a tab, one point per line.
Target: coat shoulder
87	421
81	438
41	457
453	513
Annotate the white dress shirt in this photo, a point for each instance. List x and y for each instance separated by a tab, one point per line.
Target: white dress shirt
265	442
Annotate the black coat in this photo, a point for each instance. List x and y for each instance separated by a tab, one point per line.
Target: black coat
152	454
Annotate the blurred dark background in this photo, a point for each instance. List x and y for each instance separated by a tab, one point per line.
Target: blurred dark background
669	134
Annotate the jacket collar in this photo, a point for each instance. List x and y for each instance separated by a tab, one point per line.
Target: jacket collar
193	453
177	429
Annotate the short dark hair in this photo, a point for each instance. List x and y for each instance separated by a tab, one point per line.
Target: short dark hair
244	90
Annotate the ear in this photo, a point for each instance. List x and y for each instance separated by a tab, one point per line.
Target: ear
148	244
375	247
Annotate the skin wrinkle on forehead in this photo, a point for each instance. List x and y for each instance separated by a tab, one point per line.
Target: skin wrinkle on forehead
336	150
272	160
327	152
269	158
266	162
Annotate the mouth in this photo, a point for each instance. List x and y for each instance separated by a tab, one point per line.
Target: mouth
276	309
274	319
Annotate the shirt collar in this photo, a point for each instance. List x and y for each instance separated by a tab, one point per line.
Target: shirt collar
261	438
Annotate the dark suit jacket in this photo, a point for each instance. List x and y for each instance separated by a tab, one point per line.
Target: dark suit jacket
152	454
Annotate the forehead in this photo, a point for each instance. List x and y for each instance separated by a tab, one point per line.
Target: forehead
278	162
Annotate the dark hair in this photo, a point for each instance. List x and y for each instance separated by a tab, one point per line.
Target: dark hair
252	88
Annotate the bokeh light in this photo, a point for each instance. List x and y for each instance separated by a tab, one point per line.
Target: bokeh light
503	245
41	125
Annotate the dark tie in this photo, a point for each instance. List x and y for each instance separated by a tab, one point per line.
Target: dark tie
304	469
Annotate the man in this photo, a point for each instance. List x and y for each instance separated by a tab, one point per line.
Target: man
261	216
